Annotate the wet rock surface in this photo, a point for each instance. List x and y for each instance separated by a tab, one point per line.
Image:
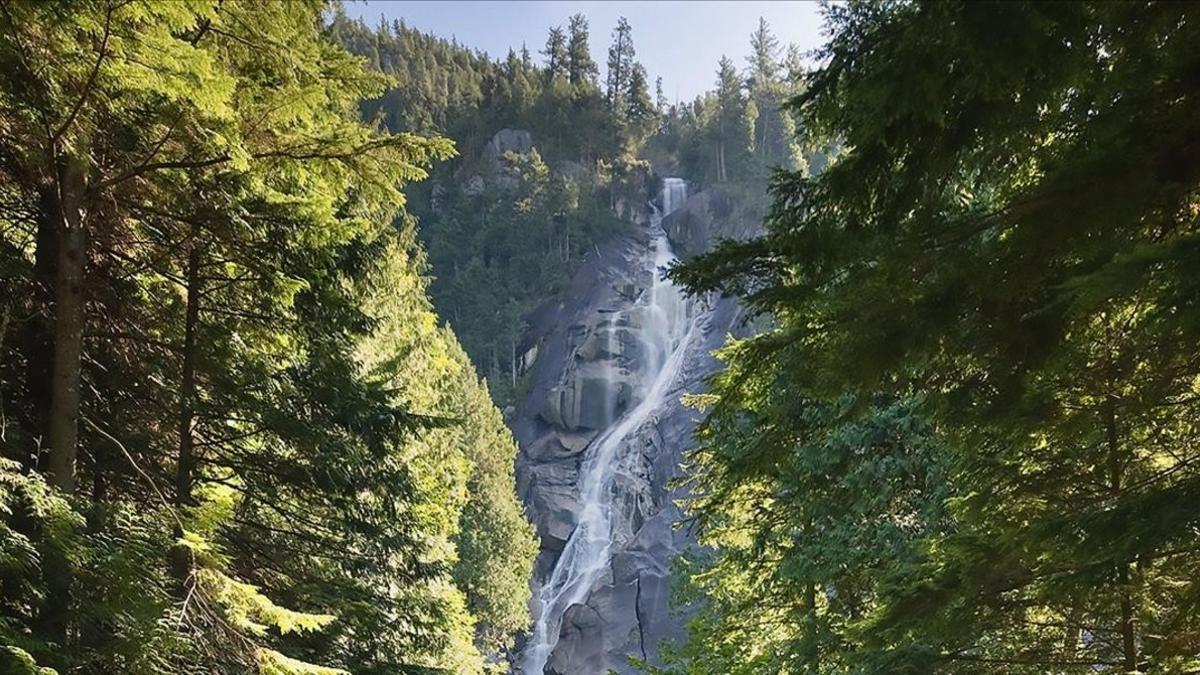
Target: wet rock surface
590	367
703	220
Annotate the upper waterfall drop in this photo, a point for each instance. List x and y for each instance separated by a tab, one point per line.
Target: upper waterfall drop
674	194
663	323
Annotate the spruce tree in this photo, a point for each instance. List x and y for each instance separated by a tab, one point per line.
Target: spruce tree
620	69
733	135
766	90
641	112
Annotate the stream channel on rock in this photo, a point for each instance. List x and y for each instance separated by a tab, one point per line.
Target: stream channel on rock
603	432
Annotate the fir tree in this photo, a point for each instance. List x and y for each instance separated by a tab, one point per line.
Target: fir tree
771	134
641	112
620	69
733	131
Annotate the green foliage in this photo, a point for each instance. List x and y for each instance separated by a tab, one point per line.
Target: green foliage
121	576
496	544
811	508
17	661
269	474
273	663
487	539
739	133
1005	244
504	234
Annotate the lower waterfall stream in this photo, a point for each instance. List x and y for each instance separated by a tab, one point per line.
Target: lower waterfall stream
665	329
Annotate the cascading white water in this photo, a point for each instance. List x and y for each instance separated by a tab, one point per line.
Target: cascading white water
674	193
665	331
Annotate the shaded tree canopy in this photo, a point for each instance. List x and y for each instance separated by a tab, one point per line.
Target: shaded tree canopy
989	294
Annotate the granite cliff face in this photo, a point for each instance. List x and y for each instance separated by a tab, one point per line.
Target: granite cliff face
602	434
704	219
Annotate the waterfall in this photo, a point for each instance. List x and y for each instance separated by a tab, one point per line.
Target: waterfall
665	331
674	194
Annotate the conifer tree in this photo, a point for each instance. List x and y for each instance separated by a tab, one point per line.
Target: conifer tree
557	59
582	70
195	219
620	69
733	131
771	134
1017	269
640	109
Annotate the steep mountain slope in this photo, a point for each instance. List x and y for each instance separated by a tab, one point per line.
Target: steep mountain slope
602	433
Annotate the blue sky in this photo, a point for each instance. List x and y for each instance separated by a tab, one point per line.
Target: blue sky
680	41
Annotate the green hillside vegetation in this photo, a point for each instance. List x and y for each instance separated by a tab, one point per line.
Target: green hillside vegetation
500	247
234	437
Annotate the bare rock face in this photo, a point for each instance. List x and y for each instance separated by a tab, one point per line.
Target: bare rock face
581	652
585	401
586	374
494	171
706	218
553	503
506	141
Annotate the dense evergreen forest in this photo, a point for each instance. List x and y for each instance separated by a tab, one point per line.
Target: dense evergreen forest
233	436
241	241
504	231
969	443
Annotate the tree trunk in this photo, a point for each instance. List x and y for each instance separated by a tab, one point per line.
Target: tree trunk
1129	656
812	653
187	380
68	240
37	332
1071	635
63	422
764	126
1128	636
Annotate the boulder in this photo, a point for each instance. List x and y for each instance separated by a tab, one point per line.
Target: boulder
559	445
575	442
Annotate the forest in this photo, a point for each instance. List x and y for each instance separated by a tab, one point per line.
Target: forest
968	444
236	437
267	276
498	253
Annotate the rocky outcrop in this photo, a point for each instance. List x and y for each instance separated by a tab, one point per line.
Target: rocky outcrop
588	366
492	169
706	218
504	142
